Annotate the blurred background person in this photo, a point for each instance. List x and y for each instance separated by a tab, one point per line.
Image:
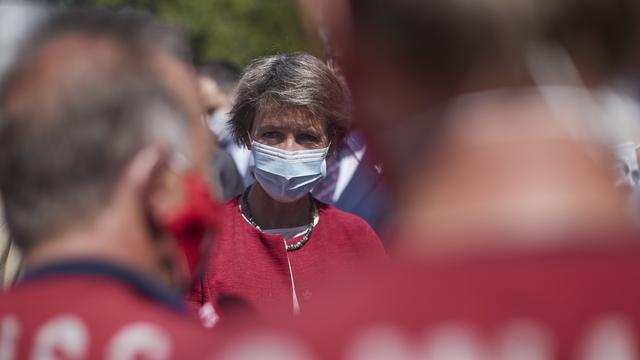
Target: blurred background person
16	22
217	81
277	242
101	166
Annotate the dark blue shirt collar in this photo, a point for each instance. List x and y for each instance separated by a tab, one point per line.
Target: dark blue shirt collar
140	283
355	140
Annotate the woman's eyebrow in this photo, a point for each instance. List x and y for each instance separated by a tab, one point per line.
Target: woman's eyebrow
264	127
292	127
311	131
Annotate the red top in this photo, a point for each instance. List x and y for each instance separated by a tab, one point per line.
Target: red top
96	311
556	305
582	304
252	266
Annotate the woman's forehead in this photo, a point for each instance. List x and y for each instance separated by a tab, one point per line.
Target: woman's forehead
290	119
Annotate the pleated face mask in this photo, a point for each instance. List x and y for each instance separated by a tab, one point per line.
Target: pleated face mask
288	175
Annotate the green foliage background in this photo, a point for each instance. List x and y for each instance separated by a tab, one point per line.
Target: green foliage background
236	30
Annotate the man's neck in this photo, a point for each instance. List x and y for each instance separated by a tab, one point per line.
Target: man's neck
271	214
104	238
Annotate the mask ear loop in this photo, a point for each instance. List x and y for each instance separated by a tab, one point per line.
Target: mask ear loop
177	163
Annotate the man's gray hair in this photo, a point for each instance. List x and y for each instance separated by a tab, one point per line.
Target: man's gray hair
59	163
296	81
446	43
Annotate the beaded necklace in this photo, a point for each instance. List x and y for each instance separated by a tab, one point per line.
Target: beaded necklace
246	213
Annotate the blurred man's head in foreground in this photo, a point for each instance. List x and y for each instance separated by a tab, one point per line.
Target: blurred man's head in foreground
409	56
100	122
455	99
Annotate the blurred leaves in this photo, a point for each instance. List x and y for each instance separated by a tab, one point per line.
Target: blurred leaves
237	30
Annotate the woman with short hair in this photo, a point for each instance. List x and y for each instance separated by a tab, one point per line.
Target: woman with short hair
276	241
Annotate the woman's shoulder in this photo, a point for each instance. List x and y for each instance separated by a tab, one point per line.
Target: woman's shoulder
338	217
328	210
350	227
227	210
230	204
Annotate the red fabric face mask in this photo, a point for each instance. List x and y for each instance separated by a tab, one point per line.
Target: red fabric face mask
194	224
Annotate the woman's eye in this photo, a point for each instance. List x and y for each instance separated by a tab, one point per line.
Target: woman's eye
308	138
271	135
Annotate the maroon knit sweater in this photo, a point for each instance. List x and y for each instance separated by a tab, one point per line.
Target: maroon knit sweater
251	267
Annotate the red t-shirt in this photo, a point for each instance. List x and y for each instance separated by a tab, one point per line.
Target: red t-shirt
546	305
253	267
91	310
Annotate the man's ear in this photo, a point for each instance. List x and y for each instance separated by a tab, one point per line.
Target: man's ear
146	166
150	178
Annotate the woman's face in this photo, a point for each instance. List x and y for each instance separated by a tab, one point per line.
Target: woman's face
291	131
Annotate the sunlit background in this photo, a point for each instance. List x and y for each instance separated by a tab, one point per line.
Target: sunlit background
236	30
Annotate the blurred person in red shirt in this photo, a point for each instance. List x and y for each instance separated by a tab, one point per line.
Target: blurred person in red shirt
102	157
511	241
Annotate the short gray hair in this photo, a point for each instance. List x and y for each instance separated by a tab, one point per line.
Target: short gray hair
296	81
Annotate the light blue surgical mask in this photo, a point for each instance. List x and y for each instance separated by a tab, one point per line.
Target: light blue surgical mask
218	123
287	175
